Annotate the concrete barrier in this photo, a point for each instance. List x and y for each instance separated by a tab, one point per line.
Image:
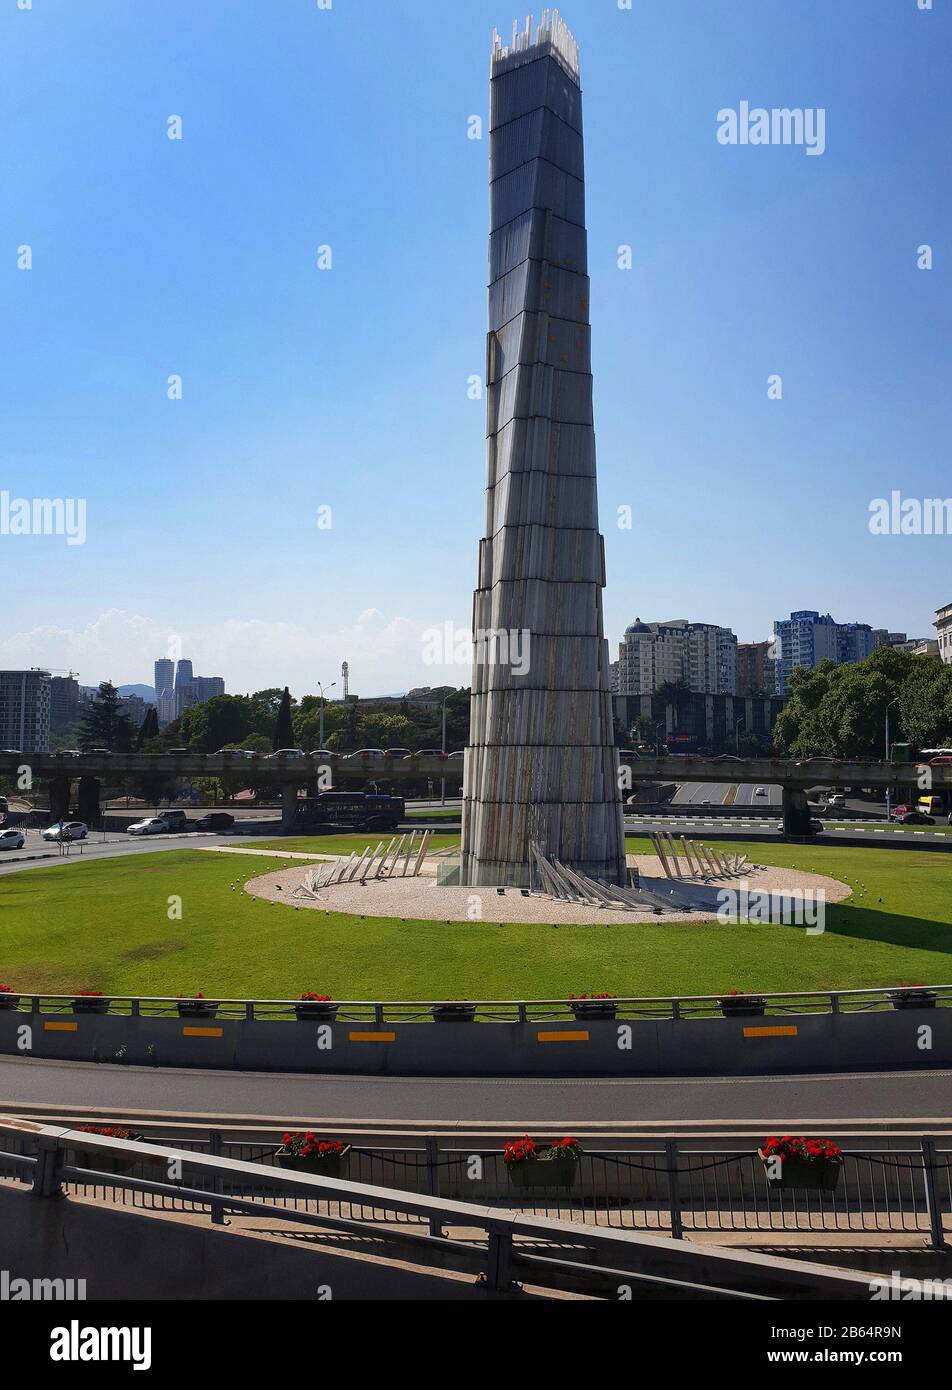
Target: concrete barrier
788	1042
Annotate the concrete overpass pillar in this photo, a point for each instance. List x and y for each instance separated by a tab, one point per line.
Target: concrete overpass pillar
289	806
796	813
88	802
59	793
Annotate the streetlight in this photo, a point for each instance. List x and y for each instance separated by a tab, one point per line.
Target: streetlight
737	734
443	780
321	689
888	787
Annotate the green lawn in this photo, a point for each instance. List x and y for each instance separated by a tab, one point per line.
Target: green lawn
106	926
339	844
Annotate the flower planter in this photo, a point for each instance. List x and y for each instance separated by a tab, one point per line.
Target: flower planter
454	1013
818	1175
9	1001
330	1166
543	1172
102	1162
586	1011
311	1012
913	998
90	1006
198	1008
743	1006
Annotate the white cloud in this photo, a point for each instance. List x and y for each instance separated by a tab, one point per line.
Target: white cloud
385	653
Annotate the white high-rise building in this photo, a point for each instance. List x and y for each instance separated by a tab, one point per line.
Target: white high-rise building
701	655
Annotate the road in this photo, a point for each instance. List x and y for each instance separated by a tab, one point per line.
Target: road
37	853
870	1096
861	834
726	794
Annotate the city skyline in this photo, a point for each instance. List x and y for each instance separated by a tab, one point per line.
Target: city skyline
714	304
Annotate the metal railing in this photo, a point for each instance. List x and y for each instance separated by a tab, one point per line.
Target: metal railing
486	1011
889	1185
545	1249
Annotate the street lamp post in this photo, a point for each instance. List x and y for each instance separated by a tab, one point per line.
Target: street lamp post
443	780
888	787
321	689
737	735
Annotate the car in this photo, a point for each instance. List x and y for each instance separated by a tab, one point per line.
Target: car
215	820
816	827
460	754
916	818
66	830
286	753
321	753
727	758
68	753
175	820
366	753
97	752
760	791
236	753
11	752
155	825
11	839
398	753
630	754
178	752
426	753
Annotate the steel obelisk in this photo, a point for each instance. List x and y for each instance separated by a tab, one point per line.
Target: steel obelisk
541	764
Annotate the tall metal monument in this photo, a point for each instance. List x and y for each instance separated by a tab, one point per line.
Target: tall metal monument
541	764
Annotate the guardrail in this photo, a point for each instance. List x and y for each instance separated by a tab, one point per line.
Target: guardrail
890	1184
824	1031
45	1157
677	1007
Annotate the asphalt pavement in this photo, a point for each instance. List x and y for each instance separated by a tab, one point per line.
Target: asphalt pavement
868	1097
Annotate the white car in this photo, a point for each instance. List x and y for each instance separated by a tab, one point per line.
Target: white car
11	839
365	753
155	825
760	791
66	830
283	753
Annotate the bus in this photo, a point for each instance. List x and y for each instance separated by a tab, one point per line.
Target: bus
353	810
909	753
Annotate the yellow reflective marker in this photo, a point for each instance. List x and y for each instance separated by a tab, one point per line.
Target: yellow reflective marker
788	1030
60	1027
372	1037
562	1037
202	1032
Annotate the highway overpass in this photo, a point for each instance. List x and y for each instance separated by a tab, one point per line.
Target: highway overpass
288	775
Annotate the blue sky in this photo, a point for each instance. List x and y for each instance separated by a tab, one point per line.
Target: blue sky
348	388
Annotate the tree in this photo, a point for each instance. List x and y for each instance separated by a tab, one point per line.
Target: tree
643	729
284	727
840	711
218	723
150	728
673	695
104	725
